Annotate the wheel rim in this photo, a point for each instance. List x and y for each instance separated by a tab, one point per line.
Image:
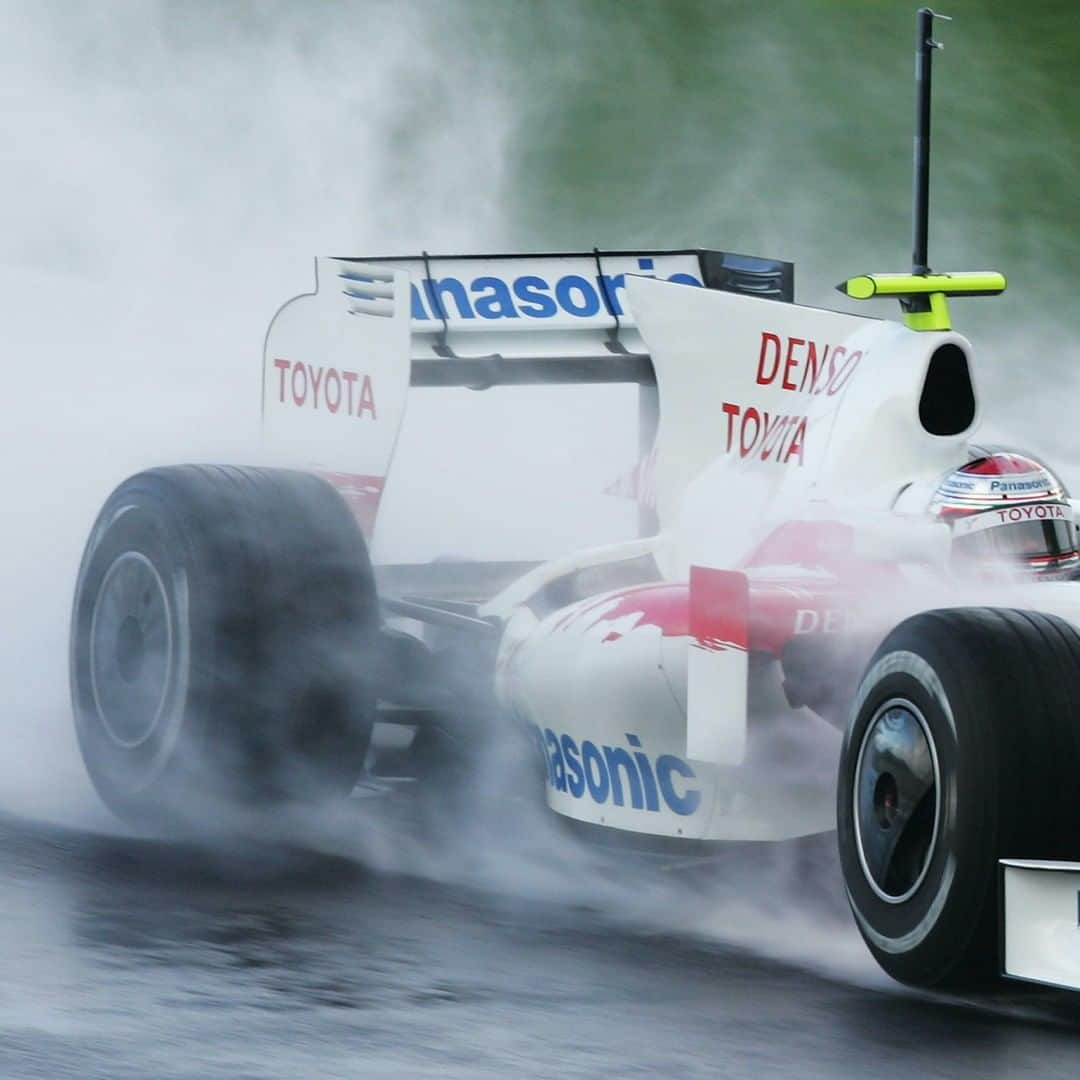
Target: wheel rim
896	801
131	649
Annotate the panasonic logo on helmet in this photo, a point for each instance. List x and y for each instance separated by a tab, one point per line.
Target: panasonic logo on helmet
529	295
1017	485
616	775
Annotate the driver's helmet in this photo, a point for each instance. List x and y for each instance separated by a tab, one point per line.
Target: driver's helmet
1008	510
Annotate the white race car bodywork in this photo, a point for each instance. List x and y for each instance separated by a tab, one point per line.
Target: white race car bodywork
1041	922
655	697
605	686
839	612
769	412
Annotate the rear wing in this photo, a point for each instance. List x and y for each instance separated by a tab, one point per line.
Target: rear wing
560	318
338	362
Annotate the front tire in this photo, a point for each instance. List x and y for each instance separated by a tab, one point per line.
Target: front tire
223	630
962	750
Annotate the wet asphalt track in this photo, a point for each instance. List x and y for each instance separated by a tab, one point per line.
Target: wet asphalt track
127	957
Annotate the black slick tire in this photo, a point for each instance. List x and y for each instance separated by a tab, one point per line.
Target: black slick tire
223	629
984	704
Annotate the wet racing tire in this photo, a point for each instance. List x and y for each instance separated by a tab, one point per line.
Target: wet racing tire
224	623
963	749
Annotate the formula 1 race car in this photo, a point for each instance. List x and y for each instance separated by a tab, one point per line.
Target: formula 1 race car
827	560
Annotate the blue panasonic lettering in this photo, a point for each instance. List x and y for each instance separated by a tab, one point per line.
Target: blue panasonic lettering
418	310
437	291
1016	485
611	286
557	772
648	781
682	804
600	785
498	304
575	778
533	292
568	288
615	757
531	296
606	773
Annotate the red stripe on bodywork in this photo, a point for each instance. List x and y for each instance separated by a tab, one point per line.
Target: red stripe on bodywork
662	606
719	608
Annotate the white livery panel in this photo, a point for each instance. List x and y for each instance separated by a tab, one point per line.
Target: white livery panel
766	405
607	686
1041	922
335	379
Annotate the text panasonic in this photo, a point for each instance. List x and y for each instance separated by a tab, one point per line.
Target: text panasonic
1018	485
617	775
529	296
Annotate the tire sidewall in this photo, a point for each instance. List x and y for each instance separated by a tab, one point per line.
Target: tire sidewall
272	615
920	938
137	523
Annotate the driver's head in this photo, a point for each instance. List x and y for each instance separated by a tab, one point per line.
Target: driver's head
1007	510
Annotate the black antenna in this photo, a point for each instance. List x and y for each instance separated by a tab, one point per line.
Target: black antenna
924	51
923	295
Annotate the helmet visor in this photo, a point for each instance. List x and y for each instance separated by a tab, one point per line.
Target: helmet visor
1046	537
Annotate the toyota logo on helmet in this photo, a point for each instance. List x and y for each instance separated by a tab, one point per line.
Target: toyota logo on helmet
1007	509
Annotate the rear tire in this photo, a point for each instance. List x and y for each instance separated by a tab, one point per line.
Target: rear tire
223	630
963	750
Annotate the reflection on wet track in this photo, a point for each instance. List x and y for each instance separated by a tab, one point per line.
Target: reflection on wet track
129	957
